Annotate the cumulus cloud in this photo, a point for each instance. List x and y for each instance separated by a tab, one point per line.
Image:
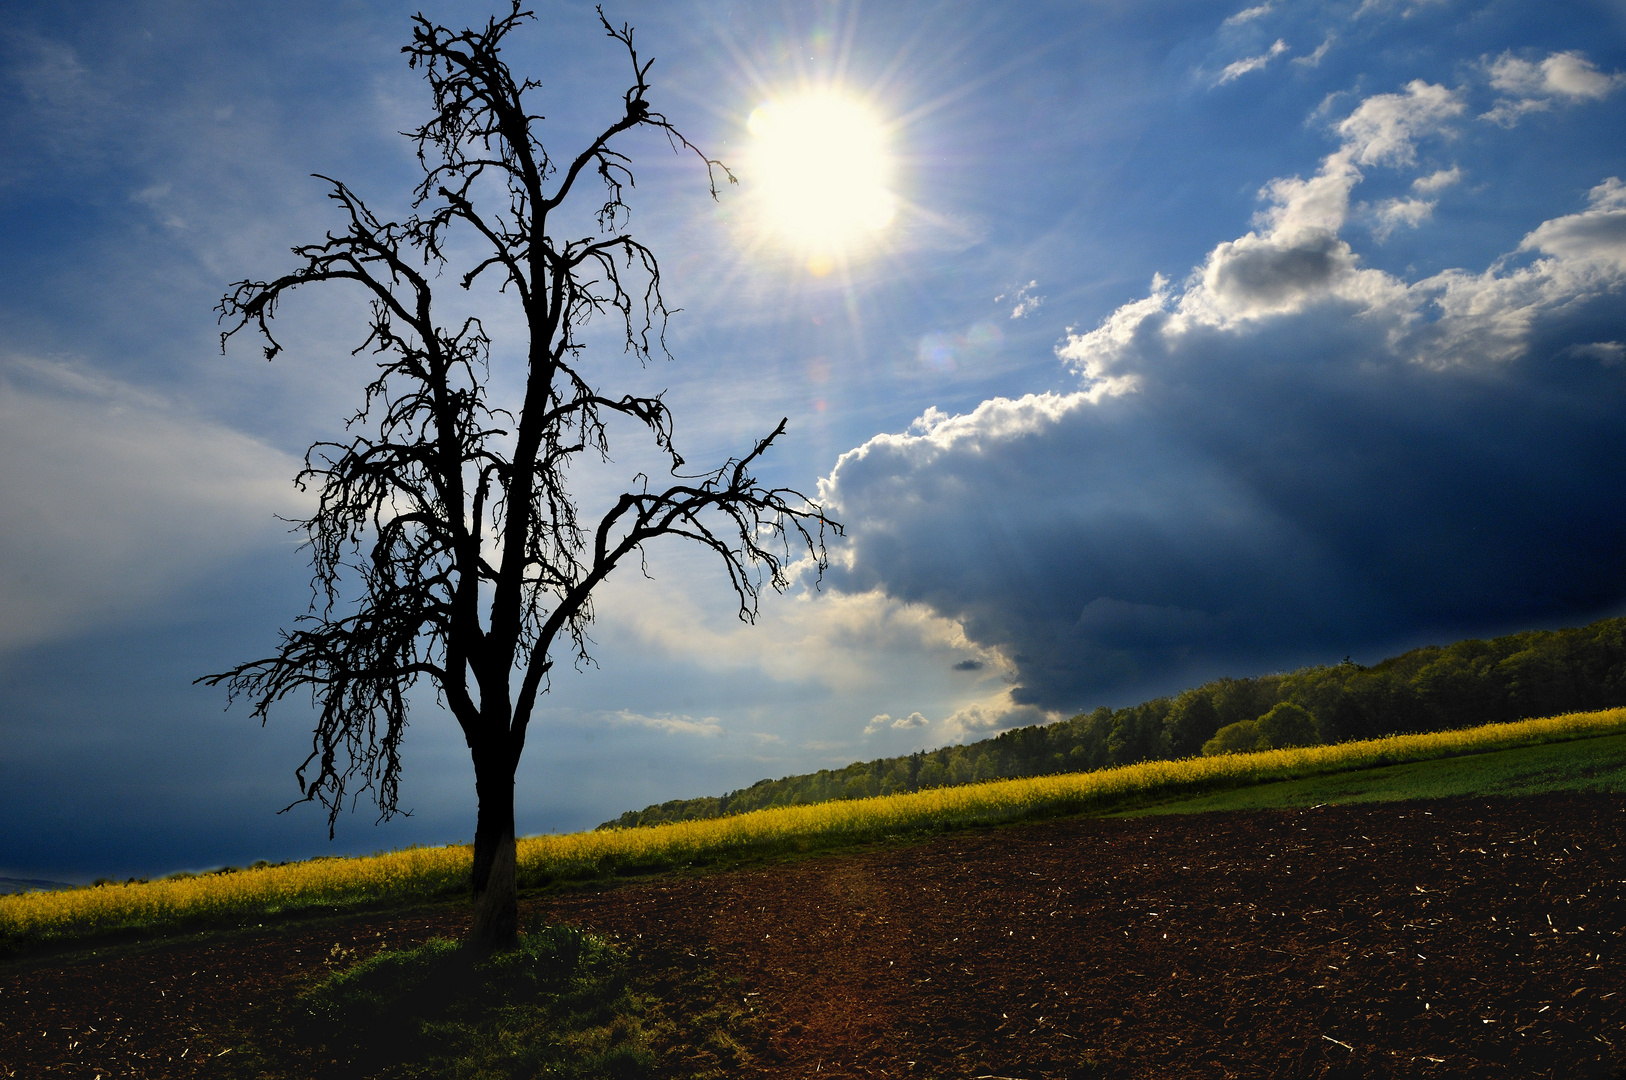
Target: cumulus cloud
1296	259
1384	128
1463	317
1595	238
1567	74
1562	78
1239	68
1295	256
903	723
114	496
1286	457
979	719
983	719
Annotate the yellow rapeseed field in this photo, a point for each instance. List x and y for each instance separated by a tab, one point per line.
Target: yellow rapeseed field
422	872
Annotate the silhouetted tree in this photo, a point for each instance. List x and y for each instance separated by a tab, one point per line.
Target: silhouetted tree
446	543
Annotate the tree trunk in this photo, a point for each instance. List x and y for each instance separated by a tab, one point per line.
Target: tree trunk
496	890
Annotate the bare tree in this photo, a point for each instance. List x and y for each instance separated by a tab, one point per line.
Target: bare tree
446	543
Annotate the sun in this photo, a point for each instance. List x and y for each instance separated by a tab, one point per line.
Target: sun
821	173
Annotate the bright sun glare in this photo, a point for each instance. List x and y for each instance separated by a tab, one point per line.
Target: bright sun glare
821	170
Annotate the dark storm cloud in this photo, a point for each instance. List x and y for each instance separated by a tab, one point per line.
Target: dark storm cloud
1244	494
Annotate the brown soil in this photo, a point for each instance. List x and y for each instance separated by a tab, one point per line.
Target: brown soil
1452	939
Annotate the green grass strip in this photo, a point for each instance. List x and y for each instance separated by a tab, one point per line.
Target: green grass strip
1577	765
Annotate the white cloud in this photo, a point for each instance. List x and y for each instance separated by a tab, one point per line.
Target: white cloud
813	662
998	419
1509	111
1607	353
987	718
112	497
1295	256
1240	68
1248	15
977	722
1598	235
1571	75
709	727
1408	7
1564	77
1390	214
1099	356
1026	302
1295	259
1489	316
903	723
1314	59
1384	128
825	638
1437	181
1566	74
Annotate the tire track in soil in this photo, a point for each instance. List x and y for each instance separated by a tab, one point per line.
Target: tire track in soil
1474	938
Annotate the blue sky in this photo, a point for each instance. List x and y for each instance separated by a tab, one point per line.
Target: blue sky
1206	339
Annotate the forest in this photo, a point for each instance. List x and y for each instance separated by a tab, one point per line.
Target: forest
1435	688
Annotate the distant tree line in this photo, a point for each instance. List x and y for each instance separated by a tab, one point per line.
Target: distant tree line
1536	673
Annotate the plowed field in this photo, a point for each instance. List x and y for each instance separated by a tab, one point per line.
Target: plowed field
1475	938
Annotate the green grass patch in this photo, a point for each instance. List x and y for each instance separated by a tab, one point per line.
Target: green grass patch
1582	765
566	1004
559	1006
